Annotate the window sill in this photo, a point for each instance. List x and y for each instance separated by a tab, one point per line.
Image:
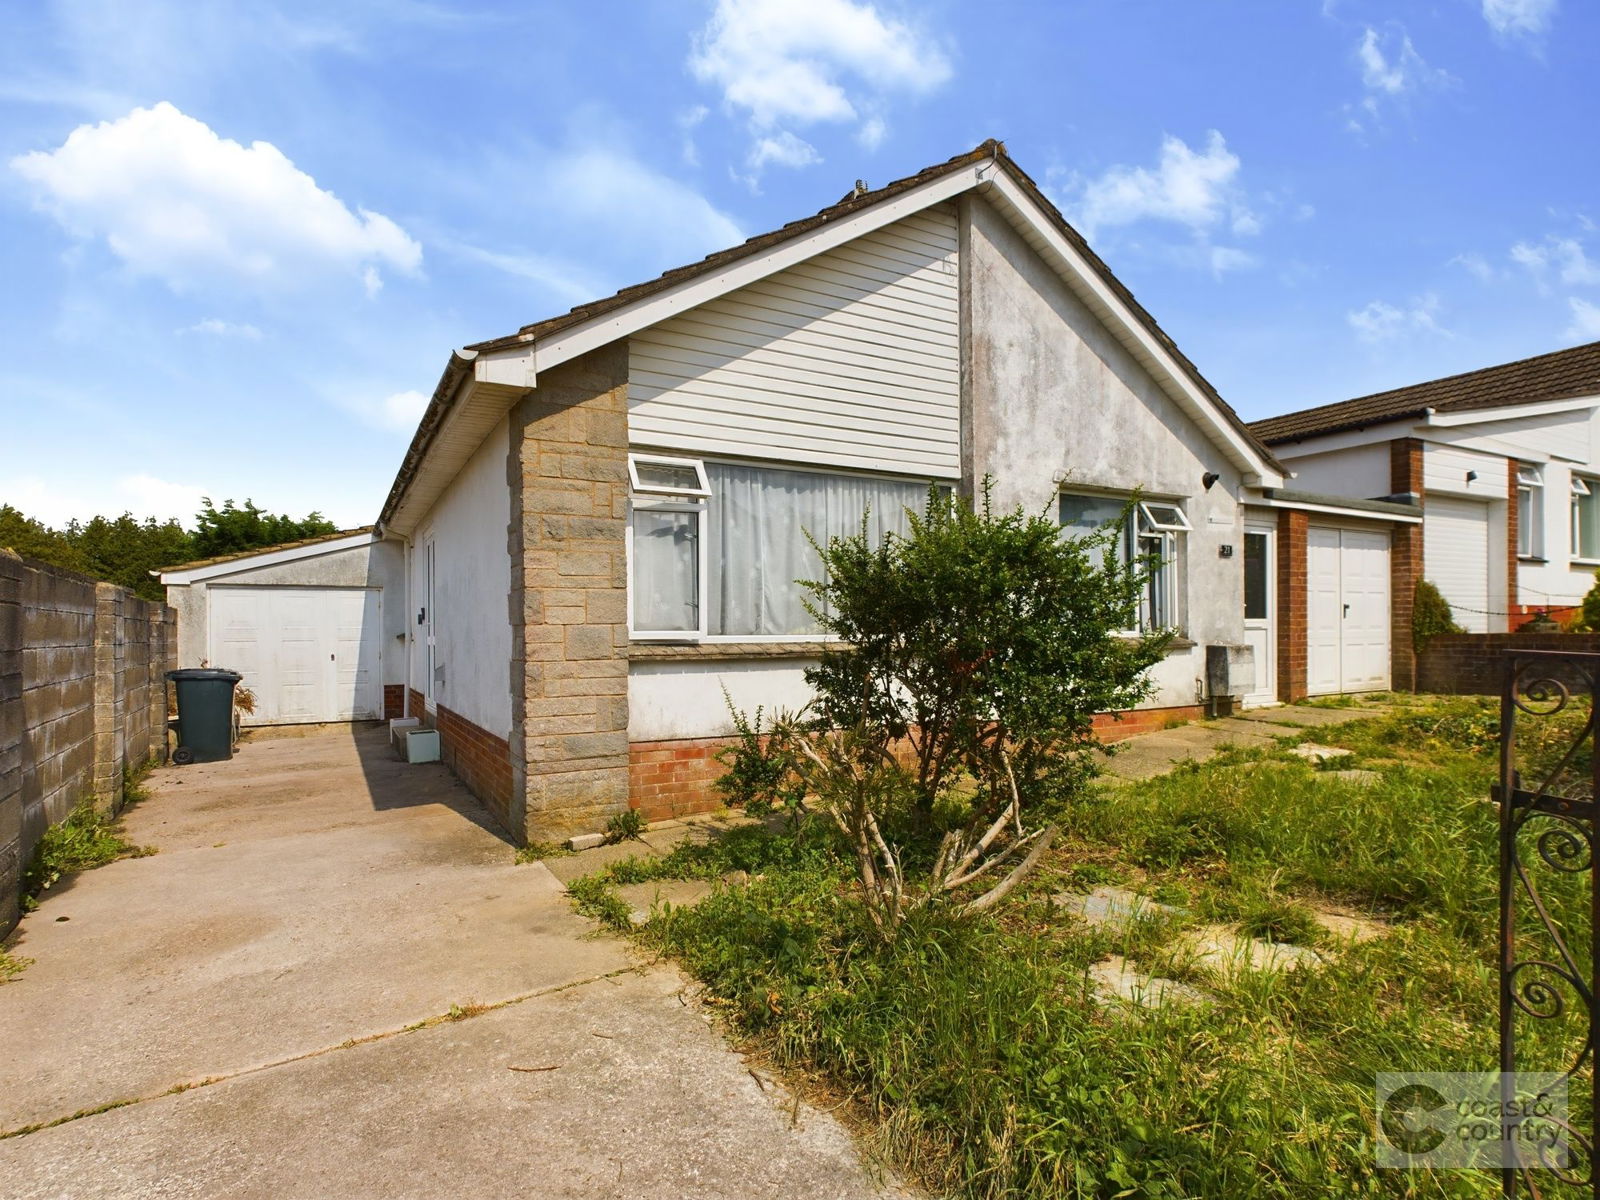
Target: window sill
1176	646
1532	560
1583	562
714	651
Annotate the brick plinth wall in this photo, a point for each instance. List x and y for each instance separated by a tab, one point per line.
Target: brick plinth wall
1405	565
394	700
1292	527
567	467
674	778
479	759
418	707
1473	664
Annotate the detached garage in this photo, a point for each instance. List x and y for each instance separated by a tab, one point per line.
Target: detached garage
306	624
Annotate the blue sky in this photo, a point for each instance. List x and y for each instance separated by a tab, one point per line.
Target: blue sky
240	238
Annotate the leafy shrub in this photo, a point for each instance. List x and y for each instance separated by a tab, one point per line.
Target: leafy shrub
760	775
1587	618
1430	615
959	706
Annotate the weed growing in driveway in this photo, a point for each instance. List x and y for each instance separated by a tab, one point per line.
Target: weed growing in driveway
12	965
624	826
87	838
538	851
973	1054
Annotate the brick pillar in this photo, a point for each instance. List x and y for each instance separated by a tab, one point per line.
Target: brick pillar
1292	528
108	695
1513	536
10	739
1405	565
569	510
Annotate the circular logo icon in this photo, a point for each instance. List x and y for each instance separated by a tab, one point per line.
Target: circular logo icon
1405	1118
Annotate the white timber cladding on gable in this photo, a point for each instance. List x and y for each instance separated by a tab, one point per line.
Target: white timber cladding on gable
851	358
1462	472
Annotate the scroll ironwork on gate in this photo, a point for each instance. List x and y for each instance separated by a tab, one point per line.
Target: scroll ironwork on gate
1549	901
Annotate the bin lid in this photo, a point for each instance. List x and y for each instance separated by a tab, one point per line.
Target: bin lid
191	673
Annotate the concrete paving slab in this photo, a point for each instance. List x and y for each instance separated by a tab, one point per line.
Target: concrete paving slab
1310	718
1223	948
1251	733
1110	907
642	898
645	1101
1316	754
1116	981
587	862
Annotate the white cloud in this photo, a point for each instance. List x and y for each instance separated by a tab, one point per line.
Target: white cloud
397	412
1475	265
216	327
1563	255
800	62
1519	18
568	281
1391	72
174	200
54	503
872	132
1382	322
688	122
609	189
1585	325
1230	258
1198	190
784	149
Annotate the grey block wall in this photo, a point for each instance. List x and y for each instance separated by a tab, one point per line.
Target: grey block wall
82	695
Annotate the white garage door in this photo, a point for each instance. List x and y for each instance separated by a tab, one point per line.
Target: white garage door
308	654
1347	611
1455	555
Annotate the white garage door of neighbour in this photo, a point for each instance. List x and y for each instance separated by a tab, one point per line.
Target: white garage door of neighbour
1455	556
308	654
1347	618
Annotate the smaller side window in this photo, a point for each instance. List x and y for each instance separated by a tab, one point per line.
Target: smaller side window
666	548
1585	518
1530	511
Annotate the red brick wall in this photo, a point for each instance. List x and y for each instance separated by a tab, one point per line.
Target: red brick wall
394	699
480	760
1473	663
1292	528
419	707
1405	565
674	778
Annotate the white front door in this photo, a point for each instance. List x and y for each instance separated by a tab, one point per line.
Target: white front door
1455	554
307	654
1260	610
1347	610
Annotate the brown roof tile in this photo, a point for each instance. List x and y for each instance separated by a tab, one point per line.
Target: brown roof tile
1560	375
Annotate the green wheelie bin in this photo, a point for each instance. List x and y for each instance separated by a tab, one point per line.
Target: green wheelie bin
205	714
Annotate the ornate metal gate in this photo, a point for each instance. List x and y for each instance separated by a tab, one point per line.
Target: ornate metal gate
1549	902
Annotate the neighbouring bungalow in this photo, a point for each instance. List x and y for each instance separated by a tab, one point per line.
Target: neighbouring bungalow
593	540
1504	463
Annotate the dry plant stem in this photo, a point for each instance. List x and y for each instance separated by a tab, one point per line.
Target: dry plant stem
1002	889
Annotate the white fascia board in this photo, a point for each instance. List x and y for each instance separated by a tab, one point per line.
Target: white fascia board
1347	439
1487	416
652	310
269	558
1336	510
509	368
1083	278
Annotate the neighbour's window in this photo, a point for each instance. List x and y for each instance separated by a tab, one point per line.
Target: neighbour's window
1152	530
725	556
1585	517
1530	511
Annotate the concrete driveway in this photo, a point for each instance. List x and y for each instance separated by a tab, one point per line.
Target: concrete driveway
263	1007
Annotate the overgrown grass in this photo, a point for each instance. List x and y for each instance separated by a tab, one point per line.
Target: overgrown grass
12	965
976	1061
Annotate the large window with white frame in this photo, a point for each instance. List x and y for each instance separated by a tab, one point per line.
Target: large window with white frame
1151	530
1585	517
1530	511
717	550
